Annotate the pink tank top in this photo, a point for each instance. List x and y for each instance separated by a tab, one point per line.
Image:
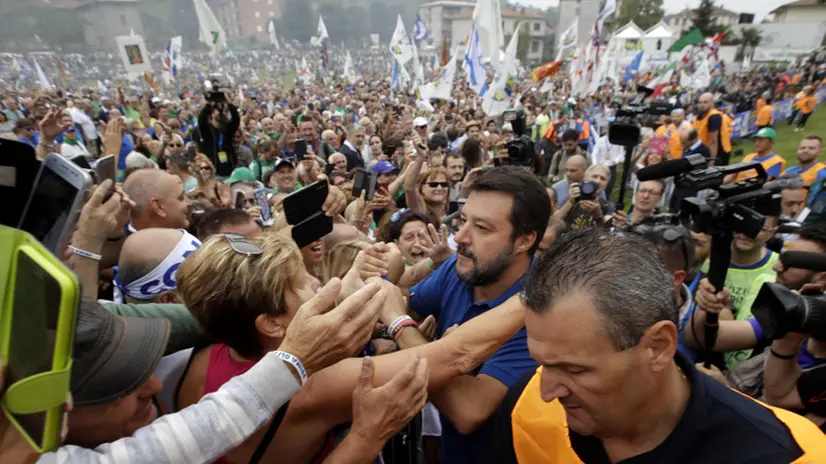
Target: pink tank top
222	368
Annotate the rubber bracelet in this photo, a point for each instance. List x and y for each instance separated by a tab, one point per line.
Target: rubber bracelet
782	356
287	357
430	265
393	327
407	323
757	328
85	254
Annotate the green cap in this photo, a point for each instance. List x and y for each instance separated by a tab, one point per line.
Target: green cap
766	133
240	174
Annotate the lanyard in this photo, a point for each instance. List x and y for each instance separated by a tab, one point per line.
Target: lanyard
691	289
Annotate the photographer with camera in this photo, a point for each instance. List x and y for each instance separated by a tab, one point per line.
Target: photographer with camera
217	124
587	205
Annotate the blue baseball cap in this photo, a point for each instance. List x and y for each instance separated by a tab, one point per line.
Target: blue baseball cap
384	167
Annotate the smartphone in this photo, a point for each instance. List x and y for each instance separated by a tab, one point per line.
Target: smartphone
300	149
263	201
105	169
302	204
311	229
365	181
82	162
55	202
240	200
18	170
37	327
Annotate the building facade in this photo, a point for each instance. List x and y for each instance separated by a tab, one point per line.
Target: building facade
801	11
106	19
245	19
586	10
684	21
453	20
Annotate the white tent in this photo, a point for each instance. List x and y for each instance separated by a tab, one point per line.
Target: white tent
656	42
628	40
629	31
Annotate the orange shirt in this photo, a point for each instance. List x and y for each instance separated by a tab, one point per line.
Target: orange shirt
759	105
807	104
764	115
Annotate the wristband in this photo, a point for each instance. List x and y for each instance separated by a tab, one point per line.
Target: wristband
86	254
757	328
787	357
430	265
288	358
401	326
399	323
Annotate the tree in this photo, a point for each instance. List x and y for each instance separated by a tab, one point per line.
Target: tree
704	18
749	39
644	13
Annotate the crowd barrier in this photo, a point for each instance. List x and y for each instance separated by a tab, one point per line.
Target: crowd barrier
745	125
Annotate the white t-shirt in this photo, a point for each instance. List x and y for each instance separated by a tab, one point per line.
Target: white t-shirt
70	151
89	129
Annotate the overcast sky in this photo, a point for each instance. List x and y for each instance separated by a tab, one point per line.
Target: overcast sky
759	7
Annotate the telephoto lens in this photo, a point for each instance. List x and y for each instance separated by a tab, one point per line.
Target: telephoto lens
780	311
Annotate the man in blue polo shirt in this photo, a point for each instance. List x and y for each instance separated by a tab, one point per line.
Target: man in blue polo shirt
502	224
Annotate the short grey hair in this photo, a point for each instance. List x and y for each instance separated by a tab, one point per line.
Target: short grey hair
622	273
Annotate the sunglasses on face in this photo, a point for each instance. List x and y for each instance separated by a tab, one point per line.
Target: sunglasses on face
174	145
241	245
438	184
205	168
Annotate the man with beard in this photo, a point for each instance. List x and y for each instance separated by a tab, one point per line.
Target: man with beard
501	226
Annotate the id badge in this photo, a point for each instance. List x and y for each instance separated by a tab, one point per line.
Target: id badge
222	157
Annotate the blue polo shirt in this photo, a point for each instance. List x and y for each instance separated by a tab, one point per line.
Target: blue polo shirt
450	301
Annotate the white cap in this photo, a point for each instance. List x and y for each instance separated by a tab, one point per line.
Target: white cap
572	101
156	100
507	127
420	121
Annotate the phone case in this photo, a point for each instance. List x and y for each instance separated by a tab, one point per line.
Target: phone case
46	391
302	204
311	229
263	201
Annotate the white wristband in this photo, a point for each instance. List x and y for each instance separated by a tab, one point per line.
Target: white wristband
85	254
394	326
287	357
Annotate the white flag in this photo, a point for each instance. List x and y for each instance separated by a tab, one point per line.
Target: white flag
374	41
488	16
608	8
443	86
701	78
44	83
305	75
172	59
273	37
547	86
400	45
349	73
322	29
210	32
569	38
474	66
418	70
498	98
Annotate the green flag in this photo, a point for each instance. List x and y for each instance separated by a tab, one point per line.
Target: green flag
693	37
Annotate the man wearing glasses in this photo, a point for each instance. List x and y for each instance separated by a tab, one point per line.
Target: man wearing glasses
25	132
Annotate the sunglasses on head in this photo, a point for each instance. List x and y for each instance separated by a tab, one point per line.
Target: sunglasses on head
438	184
240	244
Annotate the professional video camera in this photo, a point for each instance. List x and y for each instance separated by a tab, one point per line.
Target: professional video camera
520	146
213	91
627	125
737	207
780	311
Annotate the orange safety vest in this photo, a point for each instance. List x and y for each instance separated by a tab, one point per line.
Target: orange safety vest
675	146
725	130
764	116
540	431
759	105
774	165
584	132
807	104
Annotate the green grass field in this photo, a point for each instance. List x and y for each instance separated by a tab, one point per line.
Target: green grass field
788	139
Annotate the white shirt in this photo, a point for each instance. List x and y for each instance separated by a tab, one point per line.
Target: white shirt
79	117
70	151
607	154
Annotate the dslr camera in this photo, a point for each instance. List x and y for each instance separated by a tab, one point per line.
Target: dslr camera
626	127
520	146
780	310
588	190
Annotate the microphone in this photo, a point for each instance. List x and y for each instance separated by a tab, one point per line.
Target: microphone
672	168
804	260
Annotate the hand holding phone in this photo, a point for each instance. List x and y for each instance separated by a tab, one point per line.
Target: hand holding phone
365	181
300	149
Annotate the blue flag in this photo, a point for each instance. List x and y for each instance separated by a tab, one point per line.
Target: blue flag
419	30
633	67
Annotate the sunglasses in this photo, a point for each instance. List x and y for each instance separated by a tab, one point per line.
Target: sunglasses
438	184
241	245
174	145
205	168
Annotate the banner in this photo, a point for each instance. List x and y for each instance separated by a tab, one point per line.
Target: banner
133	54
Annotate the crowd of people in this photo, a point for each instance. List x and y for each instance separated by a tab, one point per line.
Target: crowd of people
479	307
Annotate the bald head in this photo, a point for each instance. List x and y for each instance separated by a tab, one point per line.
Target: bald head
575	168
143	251
706	102
159	199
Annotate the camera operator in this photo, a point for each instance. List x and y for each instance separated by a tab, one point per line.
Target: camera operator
797	381
575	168
587	205
744	335
217	124
713	131
570	148
646	198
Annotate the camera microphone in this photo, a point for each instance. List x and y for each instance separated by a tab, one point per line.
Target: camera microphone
804	260
672	168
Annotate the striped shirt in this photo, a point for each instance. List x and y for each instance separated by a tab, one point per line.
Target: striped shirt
202	432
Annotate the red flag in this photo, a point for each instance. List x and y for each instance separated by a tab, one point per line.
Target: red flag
445	54
546	70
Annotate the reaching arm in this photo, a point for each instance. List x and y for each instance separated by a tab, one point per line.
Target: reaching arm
468	401
780	375
731	336
411	186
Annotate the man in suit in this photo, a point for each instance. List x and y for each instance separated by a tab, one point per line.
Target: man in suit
690	139
351	147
